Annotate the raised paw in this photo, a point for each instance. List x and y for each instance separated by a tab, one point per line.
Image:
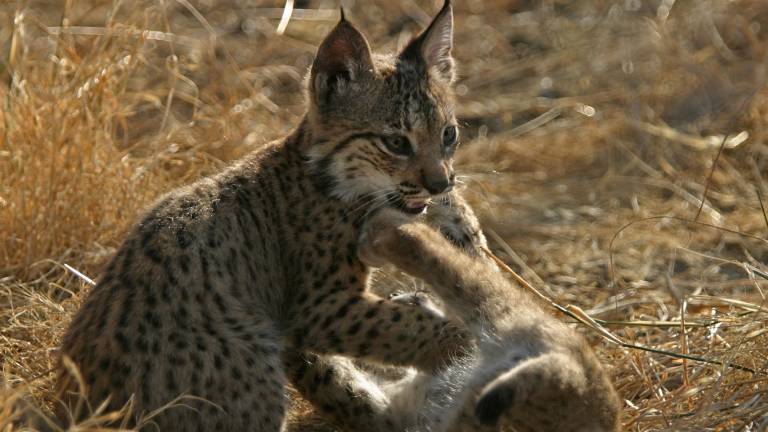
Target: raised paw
378	231
454	218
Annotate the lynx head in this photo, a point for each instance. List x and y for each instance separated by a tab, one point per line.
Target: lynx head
383	127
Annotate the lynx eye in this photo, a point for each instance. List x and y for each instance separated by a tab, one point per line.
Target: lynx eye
398	145
450	134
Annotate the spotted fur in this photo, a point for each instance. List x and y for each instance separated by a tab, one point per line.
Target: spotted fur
526	372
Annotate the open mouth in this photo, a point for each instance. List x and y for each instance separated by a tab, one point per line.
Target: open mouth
412	206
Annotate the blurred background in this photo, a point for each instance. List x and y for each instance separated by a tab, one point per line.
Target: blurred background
615	150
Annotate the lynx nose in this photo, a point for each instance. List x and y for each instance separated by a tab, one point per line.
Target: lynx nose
439	183
437	187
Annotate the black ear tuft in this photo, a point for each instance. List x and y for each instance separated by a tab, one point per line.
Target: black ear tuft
432	48
492	404
343	56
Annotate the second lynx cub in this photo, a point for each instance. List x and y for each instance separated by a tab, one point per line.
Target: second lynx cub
529	371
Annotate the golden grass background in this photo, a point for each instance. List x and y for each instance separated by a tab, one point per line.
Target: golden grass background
584	123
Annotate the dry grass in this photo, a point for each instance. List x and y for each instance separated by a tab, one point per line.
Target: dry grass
586	121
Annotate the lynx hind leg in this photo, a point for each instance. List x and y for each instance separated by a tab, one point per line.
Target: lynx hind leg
456	221
551	392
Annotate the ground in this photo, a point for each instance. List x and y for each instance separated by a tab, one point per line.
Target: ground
615	151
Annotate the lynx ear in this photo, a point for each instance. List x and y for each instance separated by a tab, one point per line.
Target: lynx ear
342	57
493	403
432	48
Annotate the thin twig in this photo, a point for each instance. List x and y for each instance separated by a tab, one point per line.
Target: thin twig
762	206
286	17
709	177
579	315
676	218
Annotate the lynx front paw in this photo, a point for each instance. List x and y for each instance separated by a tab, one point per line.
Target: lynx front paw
377	234
367	252
456	221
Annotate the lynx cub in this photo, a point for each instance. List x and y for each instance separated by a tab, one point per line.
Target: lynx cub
529	371
223	285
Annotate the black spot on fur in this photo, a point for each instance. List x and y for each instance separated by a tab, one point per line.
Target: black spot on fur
184	263
122	340
183	238
354	328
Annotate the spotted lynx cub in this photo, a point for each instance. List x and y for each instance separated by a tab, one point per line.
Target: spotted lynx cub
223	285
231	287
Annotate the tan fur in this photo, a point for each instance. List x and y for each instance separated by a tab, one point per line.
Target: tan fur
530	372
